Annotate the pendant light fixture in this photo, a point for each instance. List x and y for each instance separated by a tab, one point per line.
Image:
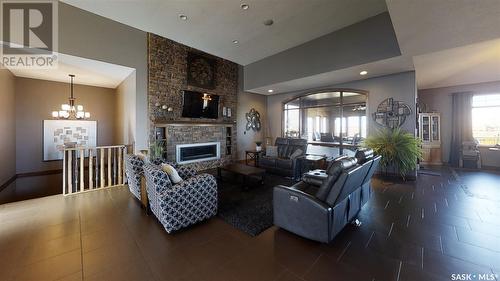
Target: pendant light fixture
69	110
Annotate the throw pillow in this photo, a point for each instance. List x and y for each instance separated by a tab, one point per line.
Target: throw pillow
143	157
172	173
296	153
271	151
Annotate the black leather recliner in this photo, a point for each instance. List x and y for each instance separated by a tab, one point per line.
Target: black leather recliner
321	212
284	164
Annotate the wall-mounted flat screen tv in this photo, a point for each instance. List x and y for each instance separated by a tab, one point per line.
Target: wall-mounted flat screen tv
200	105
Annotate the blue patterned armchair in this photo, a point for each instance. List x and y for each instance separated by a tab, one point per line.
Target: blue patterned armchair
134	171
179	205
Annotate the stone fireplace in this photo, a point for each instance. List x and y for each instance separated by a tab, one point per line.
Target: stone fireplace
167	79
197	152
203	146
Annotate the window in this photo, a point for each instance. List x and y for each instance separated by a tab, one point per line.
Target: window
337	127
310	128
292	120
321	116
324	124
353	125
485	121
363	126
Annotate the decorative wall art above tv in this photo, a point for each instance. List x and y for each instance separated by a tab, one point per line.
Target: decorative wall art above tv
200	71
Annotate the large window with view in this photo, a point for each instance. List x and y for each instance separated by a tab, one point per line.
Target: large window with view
485	120
330	117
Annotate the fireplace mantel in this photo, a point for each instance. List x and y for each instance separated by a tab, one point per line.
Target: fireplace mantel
193	123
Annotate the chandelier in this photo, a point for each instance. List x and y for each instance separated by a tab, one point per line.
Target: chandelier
69	110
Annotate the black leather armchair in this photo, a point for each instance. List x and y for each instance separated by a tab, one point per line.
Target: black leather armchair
327	137
285	163
321	212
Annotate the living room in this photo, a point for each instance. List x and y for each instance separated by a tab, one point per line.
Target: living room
251	140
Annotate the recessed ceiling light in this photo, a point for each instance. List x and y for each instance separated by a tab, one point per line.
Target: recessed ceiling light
183	17
236	41
244	6
364	72
268	22
270	90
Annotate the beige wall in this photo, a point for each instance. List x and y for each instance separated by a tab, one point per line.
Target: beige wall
7	126
440	100
88	35
125	95
36	99
246	139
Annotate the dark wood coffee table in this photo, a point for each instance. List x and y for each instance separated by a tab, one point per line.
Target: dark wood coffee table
242	170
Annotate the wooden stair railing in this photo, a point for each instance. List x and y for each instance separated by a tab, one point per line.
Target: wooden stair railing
93	168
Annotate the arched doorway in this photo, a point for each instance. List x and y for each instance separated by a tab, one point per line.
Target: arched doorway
335	117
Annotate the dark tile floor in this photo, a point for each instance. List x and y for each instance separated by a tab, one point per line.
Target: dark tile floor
424	230
25	188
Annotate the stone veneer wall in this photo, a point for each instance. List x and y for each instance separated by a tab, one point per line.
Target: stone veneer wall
198	134
167	67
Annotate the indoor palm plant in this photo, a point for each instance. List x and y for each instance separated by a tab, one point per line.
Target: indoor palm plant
398	149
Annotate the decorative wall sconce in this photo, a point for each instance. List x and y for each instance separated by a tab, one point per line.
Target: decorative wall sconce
164	107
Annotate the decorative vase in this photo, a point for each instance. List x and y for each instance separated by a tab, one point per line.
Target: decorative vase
258	148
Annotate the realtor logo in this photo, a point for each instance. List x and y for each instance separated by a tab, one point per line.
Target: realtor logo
28	34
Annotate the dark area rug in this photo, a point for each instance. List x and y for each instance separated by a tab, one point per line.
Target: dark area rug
249	210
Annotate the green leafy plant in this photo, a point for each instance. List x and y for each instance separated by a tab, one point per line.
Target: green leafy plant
397	148
156	150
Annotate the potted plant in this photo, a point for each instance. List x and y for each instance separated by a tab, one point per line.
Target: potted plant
258	146
156	150
399	150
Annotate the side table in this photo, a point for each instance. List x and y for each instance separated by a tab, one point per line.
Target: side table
308	163
253	155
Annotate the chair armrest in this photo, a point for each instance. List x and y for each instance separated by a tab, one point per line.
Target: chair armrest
199	183
301	213
186	172
313	180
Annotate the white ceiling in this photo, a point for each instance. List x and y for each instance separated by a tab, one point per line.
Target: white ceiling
447	42
86	71
452	42
212	25
426	26
469	64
